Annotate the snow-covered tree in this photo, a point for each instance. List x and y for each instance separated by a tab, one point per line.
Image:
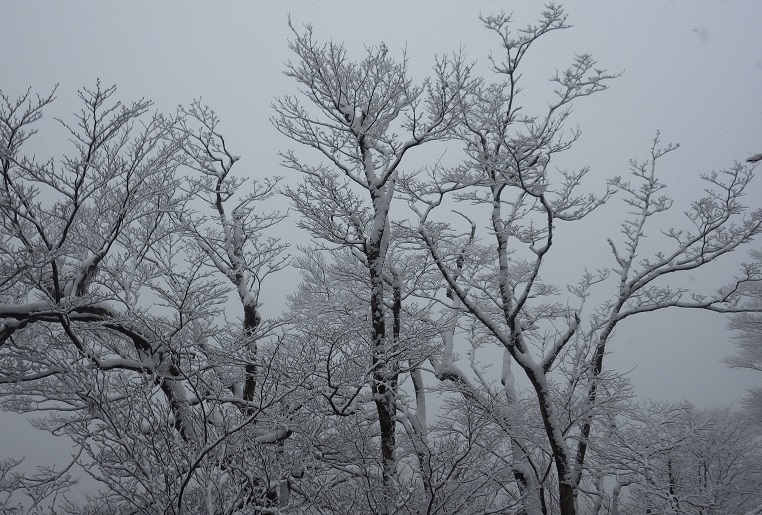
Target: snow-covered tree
113	306
458	461
363	117
559	345
749	340
675	458
131	285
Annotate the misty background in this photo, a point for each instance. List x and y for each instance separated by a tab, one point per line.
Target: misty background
692	70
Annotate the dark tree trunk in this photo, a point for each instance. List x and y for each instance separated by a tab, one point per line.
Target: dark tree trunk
566	499
251	320
384	379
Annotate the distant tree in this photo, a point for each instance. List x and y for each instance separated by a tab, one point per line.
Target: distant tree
675	458
749	340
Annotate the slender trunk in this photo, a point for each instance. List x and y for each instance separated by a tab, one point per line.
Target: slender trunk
598	503
420	437
674	502
615	499
592	392
419	421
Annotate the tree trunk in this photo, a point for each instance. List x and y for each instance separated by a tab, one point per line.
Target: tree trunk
566	498
251	320
523	471
383	382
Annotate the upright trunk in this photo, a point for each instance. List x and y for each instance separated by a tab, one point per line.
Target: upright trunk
383	381
615	499
674	502
420	426
566	494
251	320
522	468
168	378
567	490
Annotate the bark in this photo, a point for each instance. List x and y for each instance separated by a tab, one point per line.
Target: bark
384	379
566	485
523	471
251	320
567	497
178	404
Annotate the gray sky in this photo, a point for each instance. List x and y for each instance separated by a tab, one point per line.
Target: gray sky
692	69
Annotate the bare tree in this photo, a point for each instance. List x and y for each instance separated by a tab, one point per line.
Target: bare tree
675	458
355	112
748	340
131	276
508	173
112	307
457	462
231	239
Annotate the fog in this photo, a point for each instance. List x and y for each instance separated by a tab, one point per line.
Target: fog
692	70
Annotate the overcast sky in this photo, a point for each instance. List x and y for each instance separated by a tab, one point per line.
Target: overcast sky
692	69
